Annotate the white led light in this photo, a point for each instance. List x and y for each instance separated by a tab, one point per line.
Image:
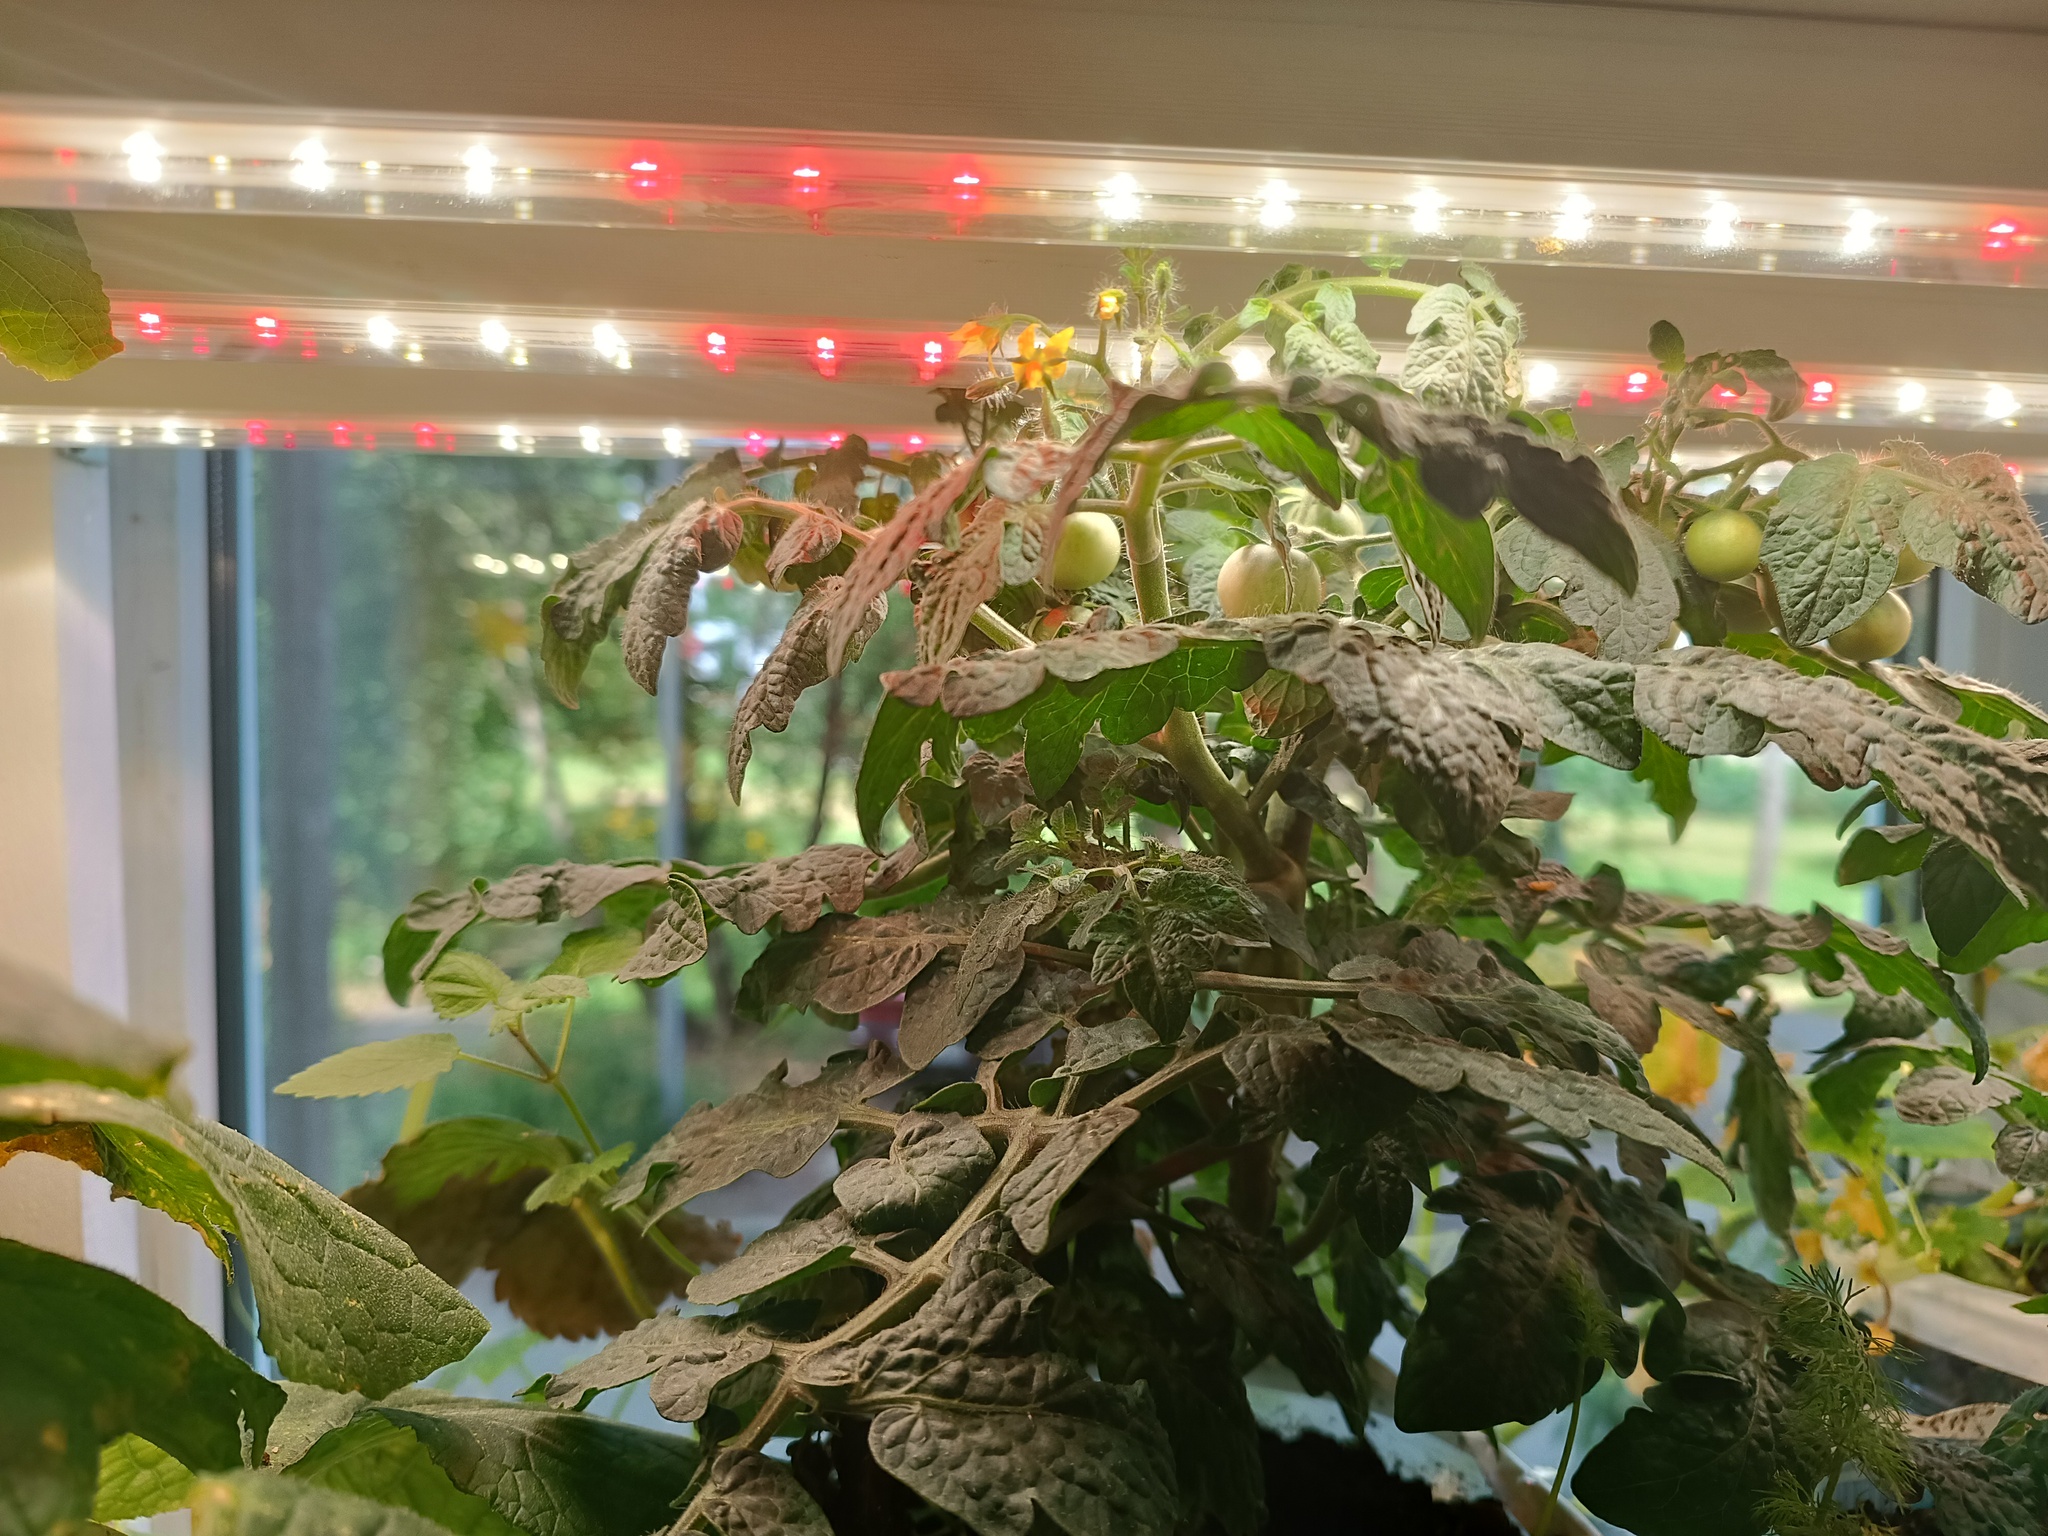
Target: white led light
1912	395
168	431
479	167
309	166
528	564
383	334
1248	363
606	340
1428	215
1720	231
145	156
1276	204
82	433
593	440
1539	380
673	443
2000	402
1862	230
494	337
508	438
1575	218
559	561
1121	199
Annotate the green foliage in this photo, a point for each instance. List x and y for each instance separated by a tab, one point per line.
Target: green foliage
54	319
1109	859
88	1358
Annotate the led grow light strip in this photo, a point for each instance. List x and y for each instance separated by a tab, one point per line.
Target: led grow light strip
56	154
676	345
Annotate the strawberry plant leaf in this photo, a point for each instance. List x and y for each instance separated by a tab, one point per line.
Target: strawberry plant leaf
382	1066
87	1357
306	1250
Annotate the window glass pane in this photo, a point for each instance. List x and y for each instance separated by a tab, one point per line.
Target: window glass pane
408	742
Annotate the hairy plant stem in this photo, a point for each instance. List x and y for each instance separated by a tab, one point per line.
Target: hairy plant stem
1564	1461
1374	286
1181	741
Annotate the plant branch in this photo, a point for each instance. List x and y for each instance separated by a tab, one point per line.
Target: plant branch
985	618
1374	286
1320	1224
606	1242
899	1296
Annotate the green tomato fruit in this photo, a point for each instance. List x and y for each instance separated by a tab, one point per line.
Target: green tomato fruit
1911	568
1090	546
1879	633
1254	580
1723	546
1338	522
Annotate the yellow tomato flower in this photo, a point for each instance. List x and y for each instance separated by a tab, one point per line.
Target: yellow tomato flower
977	338
1036	362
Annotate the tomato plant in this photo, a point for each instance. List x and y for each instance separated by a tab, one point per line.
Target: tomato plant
1224	944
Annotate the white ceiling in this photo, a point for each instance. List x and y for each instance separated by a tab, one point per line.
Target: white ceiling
1947	93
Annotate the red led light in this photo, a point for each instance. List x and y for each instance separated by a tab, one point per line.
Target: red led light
266	322
267	331
1723	392
826	354
259	433
806	173
756	444
342	433
914	441
967	179
423	434
1638	383
826	345
933	361
834	439
1820	392
151	324
2003	227
643	165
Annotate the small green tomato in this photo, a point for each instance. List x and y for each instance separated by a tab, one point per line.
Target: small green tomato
1881	632
1090	545
1723	546
1911	568
1254	581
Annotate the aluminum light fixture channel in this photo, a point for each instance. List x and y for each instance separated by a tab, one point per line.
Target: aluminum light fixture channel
62	154
700	346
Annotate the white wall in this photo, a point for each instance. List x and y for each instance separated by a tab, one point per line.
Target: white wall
105	802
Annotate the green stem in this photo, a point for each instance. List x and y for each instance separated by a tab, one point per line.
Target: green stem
668	1250
1182	740
1374	286
552	1078
562	1045
606	1242
1564	1462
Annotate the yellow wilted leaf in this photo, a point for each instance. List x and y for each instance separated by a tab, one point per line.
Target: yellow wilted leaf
2034	1063
1685	1063
1856	1205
